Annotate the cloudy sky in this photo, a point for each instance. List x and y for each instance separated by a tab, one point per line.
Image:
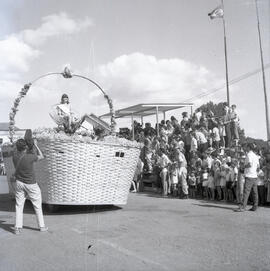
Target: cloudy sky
138	51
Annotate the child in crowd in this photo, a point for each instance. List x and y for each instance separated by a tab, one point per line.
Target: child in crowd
216	169
211	185
229	183
174	178
205	183
222	181
198	175
192	184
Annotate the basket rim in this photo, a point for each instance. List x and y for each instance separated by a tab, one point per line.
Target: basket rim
87	142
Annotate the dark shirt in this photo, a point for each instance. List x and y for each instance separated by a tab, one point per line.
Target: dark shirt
25	171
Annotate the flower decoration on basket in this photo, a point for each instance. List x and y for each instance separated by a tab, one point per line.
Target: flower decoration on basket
14	110
113	123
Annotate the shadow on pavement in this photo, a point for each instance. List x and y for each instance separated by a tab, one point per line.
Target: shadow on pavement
215	206
78	209
7	204
10	227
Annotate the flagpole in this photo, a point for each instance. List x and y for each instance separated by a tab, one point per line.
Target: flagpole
226	60
263	74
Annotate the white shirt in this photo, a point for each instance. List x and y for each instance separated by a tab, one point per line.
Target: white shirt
198	115
253	160
163	161
200	137
216	134
193	144
234	116
64	109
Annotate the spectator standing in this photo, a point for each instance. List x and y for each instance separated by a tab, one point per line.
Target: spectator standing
222	181
198	115
174	178
211	185
216	169
193	143
216	137
163	163
202	141
240	180
180	158
251	166
227	124
261	188
185	120
222	132
192	184
26	185
234	124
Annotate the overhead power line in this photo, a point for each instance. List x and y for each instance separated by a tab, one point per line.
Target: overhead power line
231	82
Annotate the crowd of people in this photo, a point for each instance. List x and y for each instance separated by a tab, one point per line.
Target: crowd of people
200	156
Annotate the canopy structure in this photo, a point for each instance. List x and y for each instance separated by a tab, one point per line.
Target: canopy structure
147	109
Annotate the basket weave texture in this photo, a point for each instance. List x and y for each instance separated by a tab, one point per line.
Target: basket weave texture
83	173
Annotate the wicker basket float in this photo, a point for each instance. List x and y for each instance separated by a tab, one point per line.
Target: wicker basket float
76	171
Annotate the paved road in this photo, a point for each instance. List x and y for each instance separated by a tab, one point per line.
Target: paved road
149	233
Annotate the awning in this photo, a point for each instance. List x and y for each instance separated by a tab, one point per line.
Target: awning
143	110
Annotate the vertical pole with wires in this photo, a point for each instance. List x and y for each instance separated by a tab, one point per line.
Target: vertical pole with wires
226	58
263	73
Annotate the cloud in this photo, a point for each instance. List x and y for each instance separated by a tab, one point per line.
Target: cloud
18	50
144	78
54	25
15	56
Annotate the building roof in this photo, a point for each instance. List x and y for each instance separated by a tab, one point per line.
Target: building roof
4	126
147	109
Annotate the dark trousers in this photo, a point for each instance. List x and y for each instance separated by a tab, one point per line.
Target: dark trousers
250	185
261	192
234	130
228	136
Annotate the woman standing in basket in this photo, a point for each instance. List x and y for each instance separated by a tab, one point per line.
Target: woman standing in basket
26	185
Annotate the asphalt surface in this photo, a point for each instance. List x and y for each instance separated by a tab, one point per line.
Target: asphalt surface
149	233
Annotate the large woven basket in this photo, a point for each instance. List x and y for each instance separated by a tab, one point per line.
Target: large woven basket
82	173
